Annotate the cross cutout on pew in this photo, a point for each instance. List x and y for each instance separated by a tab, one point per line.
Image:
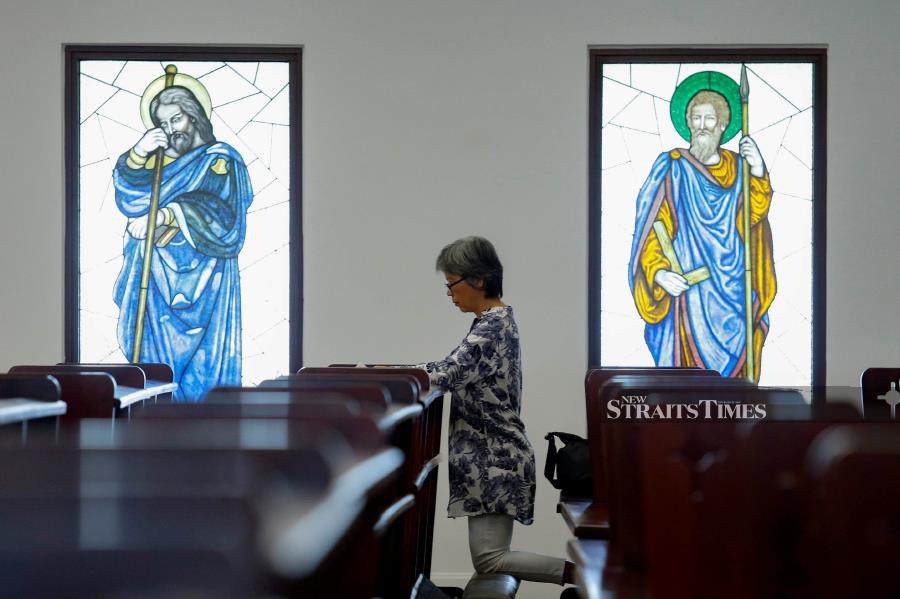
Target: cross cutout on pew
891	398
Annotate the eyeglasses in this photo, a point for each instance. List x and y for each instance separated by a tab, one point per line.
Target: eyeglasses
456	282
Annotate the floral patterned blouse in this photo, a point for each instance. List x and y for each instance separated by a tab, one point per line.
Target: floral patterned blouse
491	463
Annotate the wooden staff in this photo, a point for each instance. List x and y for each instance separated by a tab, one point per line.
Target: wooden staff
171	70
748	261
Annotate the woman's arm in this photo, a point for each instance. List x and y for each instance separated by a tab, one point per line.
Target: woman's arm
470	361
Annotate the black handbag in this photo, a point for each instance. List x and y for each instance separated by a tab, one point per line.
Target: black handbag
569	468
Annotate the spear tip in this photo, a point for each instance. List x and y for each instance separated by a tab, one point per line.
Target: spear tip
745	85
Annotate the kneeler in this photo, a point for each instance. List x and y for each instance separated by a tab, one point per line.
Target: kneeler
491	586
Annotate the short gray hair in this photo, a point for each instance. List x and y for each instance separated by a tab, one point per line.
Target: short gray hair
473	258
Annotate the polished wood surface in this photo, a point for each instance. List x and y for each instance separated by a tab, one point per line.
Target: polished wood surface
752	506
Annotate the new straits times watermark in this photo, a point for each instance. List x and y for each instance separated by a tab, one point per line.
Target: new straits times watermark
637	407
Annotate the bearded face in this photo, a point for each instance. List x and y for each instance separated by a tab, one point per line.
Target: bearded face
706	132
178	127
180	141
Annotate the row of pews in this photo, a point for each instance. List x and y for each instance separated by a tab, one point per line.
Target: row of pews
317	484
35	393
786	497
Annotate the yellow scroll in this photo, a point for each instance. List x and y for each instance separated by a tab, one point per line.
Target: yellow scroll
665	242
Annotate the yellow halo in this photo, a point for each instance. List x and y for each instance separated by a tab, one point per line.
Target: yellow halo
181	79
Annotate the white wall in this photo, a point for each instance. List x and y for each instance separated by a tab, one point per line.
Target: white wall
427	120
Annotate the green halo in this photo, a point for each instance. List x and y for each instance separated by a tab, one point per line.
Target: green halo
698	82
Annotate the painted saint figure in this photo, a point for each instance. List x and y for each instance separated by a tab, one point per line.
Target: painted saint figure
686	269
193	313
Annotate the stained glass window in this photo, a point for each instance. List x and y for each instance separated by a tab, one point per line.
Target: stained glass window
219	299
653	180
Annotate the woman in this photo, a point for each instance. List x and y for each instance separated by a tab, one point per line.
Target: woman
491	463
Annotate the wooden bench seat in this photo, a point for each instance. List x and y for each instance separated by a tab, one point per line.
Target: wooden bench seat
20	409
29	397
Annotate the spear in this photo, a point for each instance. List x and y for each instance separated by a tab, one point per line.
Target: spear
151	234
748	265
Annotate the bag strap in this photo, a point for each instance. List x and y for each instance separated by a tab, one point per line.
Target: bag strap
566	438
550	464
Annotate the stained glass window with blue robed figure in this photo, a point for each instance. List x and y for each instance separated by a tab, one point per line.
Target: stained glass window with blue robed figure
679	146
184	212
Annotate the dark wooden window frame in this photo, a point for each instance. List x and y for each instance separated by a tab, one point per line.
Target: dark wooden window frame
74	54
817	56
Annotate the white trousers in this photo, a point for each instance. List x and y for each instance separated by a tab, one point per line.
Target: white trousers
489	538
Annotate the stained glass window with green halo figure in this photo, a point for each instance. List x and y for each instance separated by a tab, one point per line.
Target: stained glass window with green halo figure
184	211
681	144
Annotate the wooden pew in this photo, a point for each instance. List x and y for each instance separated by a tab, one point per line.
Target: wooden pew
730	510
387	515
876	385
856	532
621	449
400	422
158	377
368	393
25	397
624	554
676	492
588	518
92	391
222	492
432	400
267	402
778	496
334	410
594	381
696	493
406	385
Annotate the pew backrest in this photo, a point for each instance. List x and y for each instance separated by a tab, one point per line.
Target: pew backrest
125	375
593	382
373	394
856	469
876	389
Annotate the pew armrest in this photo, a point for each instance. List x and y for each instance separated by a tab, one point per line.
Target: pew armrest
397	414
586	519
429	467
393	511
433	394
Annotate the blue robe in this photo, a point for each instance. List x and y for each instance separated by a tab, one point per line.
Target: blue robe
193	320
706	325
